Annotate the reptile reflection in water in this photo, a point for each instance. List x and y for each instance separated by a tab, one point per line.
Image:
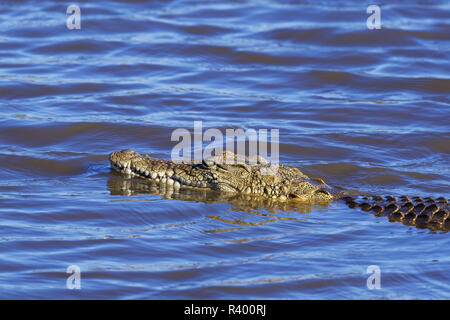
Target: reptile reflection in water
253	205
118	185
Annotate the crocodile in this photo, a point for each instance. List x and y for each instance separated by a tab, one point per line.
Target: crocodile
230	175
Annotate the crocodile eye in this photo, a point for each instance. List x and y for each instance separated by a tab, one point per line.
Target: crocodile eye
326	192
223	166
207	164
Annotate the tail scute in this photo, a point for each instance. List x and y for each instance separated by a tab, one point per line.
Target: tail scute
421	212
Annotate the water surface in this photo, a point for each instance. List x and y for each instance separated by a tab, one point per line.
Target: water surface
365	109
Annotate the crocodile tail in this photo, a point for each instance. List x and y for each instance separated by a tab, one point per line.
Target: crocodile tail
421	212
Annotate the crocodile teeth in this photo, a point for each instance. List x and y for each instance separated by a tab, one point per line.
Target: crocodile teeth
169	173
154	175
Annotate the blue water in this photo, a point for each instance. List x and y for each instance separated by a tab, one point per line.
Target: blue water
364	109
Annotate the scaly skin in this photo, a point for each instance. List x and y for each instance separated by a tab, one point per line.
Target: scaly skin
284	185
215	174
